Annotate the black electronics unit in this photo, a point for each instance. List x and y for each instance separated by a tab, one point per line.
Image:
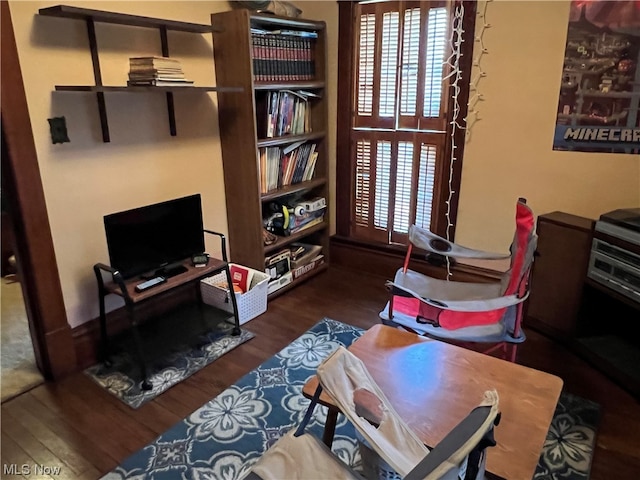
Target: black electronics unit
615	253
153	237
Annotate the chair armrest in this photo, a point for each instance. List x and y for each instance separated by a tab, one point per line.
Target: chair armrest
474	432
223	242
433	243
475	305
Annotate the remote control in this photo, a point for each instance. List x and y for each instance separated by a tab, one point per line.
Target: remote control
150	283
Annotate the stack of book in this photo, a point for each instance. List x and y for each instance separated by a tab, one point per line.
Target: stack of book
156	71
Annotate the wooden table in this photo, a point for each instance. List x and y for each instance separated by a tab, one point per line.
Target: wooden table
434	385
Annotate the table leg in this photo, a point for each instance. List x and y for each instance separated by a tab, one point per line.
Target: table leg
104	339
146	385
330	426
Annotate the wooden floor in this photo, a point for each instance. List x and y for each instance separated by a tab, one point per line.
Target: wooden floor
79	427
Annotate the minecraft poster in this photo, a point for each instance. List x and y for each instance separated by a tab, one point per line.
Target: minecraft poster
599	104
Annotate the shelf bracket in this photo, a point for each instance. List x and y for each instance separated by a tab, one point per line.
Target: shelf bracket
97	75
170	108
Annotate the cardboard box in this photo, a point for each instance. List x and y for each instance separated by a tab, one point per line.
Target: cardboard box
310	251
306	268
275	285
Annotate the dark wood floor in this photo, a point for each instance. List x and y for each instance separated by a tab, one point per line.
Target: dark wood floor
76	425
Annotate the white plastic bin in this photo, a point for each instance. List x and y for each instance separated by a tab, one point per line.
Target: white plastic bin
250	304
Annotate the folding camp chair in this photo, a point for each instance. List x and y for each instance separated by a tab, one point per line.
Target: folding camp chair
300	455
466	311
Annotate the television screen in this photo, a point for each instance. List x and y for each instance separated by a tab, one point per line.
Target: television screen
152	237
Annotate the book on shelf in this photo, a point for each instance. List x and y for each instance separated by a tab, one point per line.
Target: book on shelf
282	55
287	113
156	71
280	167
159	83
154	61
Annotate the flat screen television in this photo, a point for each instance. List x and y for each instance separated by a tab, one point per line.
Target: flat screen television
153	237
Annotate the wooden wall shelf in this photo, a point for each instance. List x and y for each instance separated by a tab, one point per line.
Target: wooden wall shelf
66	11
91	16
133	89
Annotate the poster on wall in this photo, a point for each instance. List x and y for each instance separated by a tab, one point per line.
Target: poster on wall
599	104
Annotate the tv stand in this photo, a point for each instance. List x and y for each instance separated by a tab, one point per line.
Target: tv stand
186	273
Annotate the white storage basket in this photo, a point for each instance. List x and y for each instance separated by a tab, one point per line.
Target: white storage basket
250	304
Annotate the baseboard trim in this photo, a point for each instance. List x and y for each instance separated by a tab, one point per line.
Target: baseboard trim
384	260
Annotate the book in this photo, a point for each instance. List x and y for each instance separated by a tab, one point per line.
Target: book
155	73
153	61
159	83
241	276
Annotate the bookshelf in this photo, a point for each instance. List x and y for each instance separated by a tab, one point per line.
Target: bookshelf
91	17
294	65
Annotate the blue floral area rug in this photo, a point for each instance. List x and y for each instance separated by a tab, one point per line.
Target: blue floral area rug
568	450
182	359
226	436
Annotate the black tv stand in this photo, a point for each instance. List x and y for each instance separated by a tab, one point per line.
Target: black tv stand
183	273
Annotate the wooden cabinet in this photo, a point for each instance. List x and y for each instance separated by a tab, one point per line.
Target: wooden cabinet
559	273
240	61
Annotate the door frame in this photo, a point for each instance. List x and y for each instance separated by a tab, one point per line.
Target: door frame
51	334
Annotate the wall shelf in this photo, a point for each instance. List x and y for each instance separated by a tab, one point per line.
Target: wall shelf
65	11
91	16
104	88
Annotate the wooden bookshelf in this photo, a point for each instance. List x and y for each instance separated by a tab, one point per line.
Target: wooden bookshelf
242	136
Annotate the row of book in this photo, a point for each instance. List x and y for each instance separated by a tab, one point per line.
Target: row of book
283	55
156	71
280	167
288	112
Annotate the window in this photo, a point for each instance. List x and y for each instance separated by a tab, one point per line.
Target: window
394	148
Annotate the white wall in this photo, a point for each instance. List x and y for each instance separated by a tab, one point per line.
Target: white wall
509	153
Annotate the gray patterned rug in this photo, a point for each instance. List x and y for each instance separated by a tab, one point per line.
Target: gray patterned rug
223	438
178	359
